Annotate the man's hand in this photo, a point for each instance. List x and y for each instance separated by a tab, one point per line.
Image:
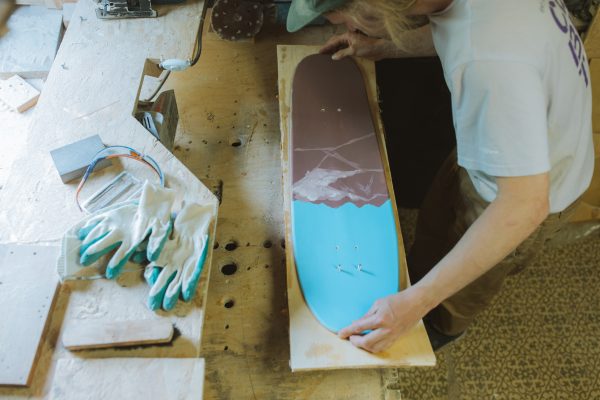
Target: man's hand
387	320
357	44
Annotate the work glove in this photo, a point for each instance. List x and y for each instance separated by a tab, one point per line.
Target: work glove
126	227
68	265
177	270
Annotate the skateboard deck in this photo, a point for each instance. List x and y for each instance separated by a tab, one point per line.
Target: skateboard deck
343	224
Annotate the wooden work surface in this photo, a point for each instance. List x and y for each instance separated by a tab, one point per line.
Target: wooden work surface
92	89
312	345
231	131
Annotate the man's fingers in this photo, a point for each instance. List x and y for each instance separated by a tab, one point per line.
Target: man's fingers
334	44
364	324
371	342
348	51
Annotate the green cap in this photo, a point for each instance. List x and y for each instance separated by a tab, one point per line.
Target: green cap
303	12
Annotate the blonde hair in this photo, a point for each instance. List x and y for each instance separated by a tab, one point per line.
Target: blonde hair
393	14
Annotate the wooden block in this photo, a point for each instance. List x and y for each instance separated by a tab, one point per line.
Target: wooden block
29	47
129	378
84	334
311	345
28	283
18	94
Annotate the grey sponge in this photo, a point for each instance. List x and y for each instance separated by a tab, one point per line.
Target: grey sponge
72	160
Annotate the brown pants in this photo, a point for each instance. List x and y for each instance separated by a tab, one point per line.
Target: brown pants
450	207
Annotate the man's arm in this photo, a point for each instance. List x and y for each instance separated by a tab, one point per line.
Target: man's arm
520	207
416	42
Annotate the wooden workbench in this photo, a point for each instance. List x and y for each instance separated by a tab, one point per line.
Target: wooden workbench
229	131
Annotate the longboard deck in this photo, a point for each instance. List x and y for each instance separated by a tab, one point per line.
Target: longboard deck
343	223
312	346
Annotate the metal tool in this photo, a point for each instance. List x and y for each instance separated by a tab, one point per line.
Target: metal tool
124	187
160	117
116	9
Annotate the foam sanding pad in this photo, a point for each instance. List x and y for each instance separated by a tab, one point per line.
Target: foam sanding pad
72	160
237	19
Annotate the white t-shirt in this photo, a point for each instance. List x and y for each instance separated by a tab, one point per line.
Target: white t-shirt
521	94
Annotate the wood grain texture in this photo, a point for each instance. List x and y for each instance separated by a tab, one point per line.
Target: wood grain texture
93	88
129	378
28	284
97	335
311	345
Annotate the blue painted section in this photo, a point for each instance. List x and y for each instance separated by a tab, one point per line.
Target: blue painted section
325	238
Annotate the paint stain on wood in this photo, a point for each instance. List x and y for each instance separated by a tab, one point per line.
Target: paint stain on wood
317	350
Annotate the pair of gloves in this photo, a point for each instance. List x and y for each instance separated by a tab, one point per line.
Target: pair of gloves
176	249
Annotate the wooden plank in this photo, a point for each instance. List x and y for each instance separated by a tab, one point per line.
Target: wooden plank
129	378
97	335
28	284
18	94
29	47
311	345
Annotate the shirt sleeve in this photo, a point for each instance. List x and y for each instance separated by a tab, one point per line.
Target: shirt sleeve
500	117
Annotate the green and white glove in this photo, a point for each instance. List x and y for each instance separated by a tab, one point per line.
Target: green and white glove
126	227
177	270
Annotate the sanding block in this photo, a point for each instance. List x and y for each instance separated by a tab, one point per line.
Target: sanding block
102	334
72	160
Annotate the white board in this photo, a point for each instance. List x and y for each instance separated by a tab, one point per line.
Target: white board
28	284
29	47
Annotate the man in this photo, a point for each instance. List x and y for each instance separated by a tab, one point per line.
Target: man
521	102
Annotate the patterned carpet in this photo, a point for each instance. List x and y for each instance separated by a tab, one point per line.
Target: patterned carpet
539	340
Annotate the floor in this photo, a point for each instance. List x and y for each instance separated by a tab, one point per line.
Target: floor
539	340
